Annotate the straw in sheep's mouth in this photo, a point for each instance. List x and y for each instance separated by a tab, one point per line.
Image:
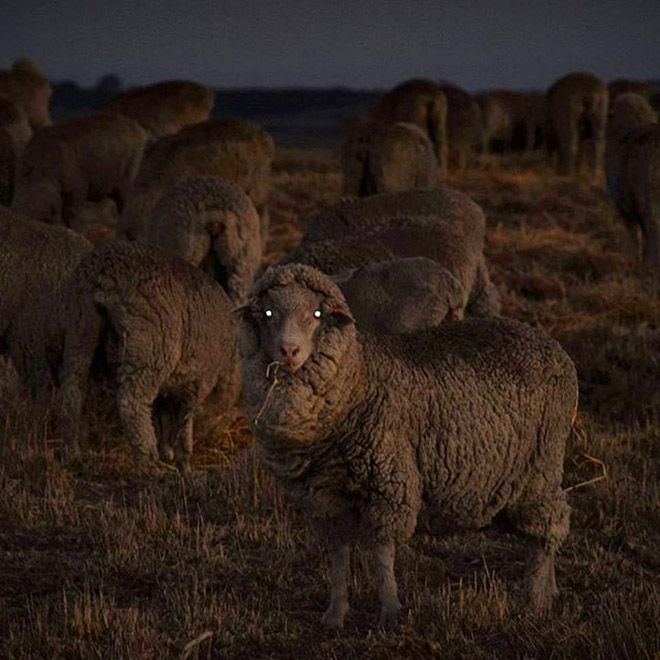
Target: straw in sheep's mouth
271	369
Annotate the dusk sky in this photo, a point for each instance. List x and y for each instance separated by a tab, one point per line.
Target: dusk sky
246	43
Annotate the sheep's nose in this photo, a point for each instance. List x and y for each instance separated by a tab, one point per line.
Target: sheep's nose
289	350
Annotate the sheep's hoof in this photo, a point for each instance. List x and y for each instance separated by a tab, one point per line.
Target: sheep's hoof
388	615
334	617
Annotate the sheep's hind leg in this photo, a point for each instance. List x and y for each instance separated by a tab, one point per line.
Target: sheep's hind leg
339	568
135	411
182	440
545	520
387	587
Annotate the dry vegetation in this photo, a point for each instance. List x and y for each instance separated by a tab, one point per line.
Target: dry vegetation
99	560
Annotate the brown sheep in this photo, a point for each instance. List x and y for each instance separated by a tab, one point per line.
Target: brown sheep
28	88
633	172
166	107
240	151
381	158
85	159
419	102
577	112
463	126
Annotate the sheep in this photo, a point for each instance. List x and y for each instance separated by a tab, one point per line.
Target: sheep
35	263
80	160
380	158
211	223
401	295
511	120
623	86
633	172
577	112
166	332
28	88
240	151
166	107
419	102
444	225
15	133
469	418
463	126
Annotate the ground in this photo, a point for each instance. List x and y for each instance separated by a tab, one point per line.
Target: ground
101	560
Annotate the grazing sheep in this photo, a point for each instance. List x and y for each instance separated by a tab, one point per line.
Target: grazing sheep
463	126
381	158
511	120
76	161
15	133
211	223
577	112
166	107
35	262
240	151
464	421
29	89
167	334
443	225
401	295
633	172
419	102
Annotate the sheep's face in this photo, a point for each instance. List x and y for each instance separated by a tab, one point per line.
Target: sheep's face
291	317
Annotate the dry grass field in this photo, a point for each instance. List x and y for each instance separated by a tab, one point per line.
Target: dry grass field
100	560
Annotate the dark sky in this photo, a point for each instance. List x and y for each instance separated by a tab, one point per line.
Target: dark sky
475	43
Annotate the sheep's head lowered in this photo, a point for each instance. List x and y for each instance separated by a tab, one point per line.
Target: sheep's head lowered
299	351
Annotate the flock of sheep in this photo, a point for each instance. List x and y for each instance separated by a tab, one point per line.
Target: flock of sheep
375	369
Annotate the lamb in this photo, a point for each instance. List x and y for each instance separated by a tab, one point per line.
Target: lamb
577	112
240	151
463	126
380	158
401	295
633	172
29	89
468	418
35	263
166	107
85	159
443	225
211	223
167	334
419	102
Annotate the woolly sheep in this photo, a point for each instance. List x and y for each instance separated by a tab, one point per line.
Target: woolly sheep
28	88
80	160
240	151
166	331
419	102
633	172
465	420
444	225
401	295
166	107
576	113
35	263
463	126
380	158
211	223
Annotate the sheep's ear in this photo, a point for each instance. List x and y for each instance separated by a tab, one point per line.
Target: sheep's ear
343	276
341	315
248	331
242	310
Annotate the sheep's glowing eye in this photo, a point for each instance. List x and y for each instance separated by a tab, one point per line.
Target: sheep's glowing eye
317	314
269	313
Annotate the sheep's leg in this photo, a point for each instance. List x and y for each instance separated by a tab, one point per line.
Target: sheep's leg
339	568
387	587
135	410
183	435
545	520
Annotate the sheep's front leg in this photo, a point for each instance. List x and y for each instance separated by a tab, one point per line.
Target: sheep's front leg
339	567
387	589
